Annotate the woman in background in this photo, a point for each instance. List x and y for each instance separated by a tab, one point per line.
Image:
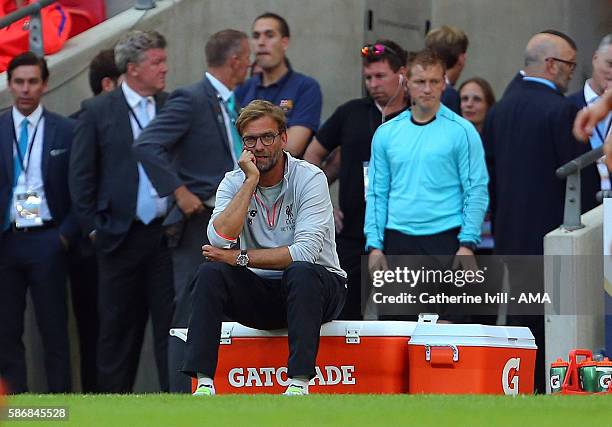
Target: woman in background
476	99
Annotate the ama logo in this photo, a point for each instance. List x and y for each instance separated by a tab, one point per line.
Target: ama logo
510	376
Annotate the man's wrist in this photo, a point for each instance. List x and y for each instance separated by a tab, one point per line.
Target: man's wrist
469	245
252	180
180	191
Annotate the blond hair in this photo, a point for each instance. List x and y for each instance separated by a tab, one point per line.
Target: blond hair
448	42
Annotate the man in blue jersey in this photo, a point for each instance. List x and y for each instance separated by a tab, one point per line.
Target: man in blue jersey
298	95
428	180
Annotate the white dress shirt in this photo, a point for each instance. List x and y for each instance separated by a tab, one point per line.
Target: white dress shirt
224	95
31	180
133	100
602	128
590	96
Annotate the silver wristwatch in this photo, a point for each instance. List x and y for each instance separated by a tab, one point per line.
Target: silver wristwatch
242	260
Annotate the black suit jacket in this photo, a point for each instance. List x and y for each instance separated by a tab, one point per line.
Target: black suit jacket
57	142
590	180
103	170
451	98
527	136
186	144
514	83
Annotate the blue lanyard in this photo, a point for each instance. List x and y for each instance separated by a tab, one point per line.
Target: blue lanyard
601	137
24	166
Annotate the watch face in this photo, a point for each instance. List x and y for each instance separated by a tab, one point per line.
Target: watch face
242	260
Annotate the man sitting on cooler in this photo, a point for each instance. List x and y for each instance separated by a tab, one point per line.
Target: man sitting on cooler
273	261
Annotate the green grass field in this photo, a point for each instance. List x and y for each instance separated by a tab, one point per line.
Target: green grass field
323	410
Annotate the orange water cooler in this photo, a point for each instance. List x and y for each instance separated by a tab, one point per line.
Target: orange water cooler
467	358
354	357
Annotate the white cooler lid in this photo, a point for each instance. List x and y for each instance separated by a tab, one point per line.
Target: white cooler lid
472	335
336	328
420	333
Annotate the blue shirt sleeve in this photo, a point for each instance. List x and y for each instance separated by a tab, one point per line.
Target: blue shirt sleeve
308	106
377	198
474	179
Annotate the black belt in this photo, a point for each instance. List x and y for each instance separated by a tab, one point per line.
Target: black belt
45	226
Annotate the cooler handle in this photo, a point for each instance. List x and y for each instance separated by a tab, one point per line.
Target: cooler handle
572	381
226	333
428	318
441	355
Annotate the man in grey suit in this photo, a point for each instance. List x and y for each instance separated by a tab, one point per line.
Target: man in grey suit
122	214
186	151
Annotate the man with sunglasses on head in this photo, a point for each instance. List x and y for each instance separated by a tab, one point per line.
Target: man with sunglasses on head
297	94
272	258
351	127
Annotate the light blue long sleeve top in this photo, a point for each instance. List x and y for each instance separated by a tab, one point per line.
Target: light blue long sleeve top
426	179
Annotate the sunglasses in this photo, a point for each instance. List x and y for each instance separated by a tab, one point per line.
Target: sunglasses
377	49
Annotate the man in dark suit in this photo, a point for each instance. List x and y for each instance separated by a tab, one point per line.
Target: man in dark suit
596	177
528	135
37	225
451	44
186	151
83	266
121	212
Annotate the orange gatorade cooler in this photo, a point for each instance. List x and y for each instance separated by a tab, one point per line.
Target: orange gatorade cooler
464	358
354	357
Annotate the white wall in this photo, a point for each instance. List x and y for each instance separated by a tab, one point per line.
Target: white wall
498	31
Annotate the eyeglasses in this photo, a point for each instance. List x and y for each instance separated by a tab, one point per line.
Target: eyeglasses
571	64
376	50
250	141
